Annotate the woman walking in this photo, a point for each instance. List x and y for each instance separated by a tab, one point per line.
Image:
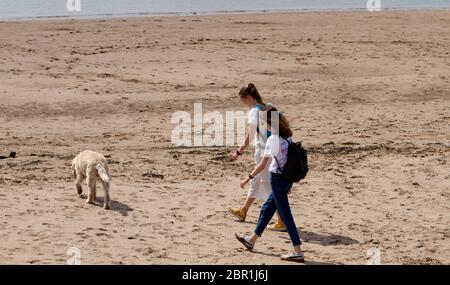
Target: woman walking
276	148
260	188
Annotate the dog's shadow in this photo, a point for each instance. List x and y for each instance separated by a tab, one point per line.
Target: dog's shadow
122	208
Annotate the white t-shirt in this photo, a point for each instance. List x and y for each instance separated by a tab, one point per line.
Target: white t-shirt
252	120
277	146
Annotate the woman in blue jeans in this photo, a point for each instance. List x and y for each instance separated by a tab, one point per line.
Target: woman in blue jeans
276	147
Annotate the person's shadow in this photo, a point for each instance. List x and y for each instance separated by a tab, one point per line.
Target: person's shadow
325	239
321	239
122	208
307	262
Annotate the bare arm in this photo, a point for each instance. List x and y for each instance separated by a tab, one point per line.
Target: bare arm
260	167
245	143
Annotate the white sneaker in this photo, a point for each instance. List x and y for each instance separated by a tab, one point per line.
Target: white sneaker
245	240
294	256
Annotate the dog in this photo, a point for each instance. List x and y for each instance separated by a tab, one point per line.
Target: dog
91	165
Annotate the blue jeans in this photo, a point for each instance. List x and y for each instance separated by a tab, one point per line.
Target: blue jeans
278	200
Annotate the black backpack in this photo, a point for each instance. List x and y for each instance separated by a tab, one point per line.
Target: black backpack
296	166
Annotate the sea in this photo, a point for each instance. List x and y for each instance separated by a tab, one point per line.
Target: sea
35	9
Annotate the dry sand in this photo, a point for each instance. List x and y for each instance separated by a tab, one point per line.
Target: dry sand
368	93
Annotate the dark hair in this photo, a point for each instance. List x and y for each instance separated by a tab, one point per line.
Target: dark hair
284	129
251	90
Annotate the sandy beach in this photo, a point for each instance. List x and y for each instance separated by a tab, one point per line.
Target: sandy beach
367	93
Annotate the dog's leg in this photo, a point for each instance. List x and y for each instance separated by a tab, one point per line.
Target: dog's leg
79	180
106	205
102	170
94	194
91	179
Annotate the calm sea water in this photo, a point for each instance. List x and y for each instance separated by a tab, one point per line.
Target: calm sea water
27	9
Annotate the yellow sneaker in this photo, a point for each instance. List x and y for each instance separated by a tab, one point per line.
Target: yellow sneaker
238	213
278	226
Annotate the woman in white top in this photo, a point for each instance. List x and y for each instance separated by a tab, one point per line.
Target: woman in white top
260	188
276	147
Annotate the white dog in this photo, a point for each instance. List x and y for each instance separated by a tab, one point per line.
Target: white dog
91	165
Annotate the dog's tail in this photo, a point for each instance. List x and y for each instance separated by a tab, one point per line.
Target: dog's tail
103	173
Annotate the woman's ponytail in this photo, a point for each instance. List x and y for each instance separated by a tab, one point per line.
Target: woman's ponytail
251	90
250	87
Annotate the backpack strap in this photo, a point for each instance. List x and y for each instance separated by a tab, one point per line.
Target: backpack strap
278	164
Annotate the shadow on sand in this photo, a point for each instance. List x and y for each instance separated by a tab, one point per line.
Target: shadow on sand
307	262
315	238
325	239
122	208
322	239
